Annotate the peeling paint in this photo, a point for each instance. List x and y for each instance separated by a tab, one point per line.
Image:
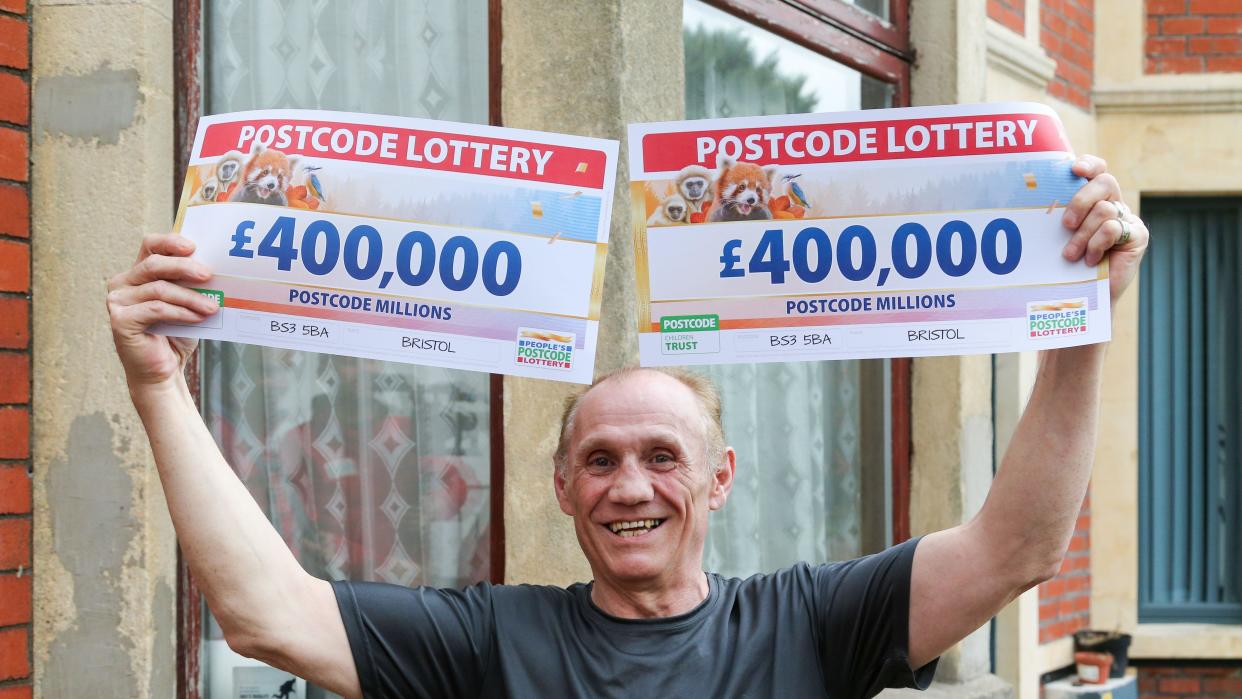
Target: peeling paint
92	525
96	105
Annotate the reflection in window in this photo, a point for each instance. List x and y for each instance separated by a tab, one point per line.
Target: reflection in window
370	470
734	68
802	431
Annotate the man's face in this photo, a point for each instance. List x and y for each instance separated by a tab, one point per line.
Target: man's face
637	456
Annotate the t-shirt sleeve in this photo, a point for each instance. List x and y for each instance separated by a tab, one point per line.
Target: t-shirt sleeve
864	623
417	642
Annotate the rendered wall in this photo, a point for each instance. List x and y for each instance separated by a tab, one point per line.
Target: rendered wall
103	544
634	74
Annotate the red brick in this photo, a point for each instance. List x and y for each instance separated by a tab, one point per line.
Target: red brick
1166	7
1078	543
1007	15
15	599
1228	686
1176	64
14	210
14	655
14	42
1083	524
17	7
1081	583
14	323
1181	25
1054	23
1048	610
1224	64
1152	27
14	543
14	99
14	155
1215	44
14	490
22	691
14	377
1216	7
14	434
1180	685
14	265
1053	588
1224	25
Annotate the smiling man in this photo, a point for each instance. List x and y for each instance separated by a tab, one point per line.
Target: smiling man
640	465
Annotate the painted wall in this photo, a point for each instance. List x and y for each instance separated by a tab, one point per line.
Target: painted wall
103	545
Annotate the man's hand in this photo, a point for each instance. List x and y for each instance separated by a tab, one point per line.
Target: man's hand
146	294
1099	220
963	576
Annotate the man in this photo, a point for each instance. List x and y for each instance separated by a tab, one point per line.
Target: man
640	465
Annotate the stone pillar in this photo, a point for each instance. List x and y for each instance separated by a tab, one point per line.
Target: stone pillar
951	401
102	147
586	68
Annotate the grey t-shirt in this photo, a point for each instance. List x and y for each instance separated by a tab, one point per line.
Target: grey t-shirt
837	630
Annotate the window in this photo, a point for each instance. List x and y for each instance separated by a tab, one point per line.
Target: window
1190	413
370	470
814	439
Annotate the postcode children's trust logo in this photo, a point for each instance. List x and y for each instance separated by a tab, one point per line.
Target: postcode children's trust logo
545	348
1053	318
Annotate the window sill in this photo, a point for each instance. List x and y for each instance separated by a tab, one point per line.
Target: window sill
1202	641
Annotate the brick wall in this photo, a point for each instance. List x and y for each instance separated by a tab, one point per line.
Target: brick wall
15	573
1193	36
1066	32
1065	601
1011	13
1177	681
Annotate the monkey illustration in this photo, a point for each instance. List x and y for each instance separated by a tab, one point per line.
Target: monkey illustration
264	178
671	210
227	167
694	184
742	192
207	193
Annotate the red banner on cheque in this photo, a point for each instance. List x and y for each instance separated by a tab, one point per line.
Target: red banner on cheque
405	147
898	139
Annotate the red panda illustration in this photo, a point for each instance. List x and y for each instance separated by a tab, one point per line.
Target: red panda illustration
742	192
264	178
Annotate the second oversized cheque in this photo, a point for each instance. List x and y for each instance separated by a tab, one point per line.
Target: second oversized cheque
382	237
881	233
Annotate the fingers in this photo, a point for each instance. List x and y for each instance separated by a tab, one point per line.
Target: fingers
1099	188
1089	166
170	244
143	315
155	267
162	291
1104	210
1104	238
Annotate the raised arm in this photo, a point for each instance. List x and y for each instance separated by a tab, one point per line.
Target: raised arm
963	576
266	603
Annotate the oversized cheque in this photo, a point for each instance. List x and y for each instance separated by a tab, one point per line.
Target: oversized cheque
886	233
451	245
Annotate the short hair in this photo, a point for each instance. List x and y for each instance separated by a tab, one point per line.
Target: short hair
704	390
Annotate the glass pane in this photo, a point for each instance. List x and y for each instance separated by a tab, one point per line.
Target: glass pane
734	68
879	8
802	431
370	470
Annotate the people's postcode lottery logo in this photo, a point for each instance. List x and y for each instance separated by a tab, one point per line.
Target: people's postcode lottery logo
1052	318
545	348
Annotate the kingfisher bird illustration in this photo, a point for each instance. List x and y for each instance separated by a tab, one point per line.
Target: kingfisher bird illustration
312	182
796	195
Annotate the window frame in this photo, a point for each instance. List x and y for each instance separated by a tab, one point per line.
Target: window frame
881	49
844	33
188	107
1151	612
